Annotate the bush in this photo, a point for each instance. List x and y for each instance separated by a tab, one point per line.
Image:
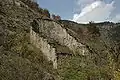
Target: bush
54	17
46	13
92	29
31	4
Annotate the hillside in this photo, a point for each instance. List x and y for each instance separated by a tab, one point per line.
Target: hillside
35	47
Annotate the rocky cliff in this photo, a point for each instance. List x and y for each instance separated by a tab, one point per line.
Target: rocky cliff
35	47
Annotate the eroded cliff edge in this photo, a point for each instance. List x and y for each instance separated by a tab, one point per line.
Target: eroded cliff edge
45	33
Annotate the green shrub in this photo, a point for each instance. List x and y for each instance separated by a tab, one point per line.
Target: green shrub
46	13
92	29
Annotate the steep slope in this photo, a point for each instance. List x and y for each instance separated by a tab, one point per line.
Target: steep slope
20	60
102	40
35	47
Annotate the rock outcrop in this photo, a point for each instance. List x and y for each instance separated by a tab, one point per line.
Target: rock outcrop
43	45
53	32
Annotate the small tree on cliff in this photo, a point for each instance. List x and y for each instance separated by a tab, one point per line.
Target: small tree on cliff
58	17
31	3
54	17
46	13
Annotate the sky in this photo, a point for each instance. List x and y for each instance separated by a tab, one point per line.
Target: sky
84	11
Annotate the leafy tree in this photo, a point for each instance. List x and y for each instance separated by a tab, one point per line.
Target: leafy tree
46	13
54	17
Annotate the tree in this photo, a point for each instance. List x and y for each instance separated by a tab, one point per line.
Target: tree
31	3
58	17
46	13
53	16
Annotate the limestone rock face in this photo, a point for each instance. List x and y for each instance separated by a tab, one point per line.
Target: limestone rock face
43	45
54	32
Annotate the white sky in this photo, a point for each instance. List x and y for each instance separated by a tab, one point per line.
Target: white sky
95	10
